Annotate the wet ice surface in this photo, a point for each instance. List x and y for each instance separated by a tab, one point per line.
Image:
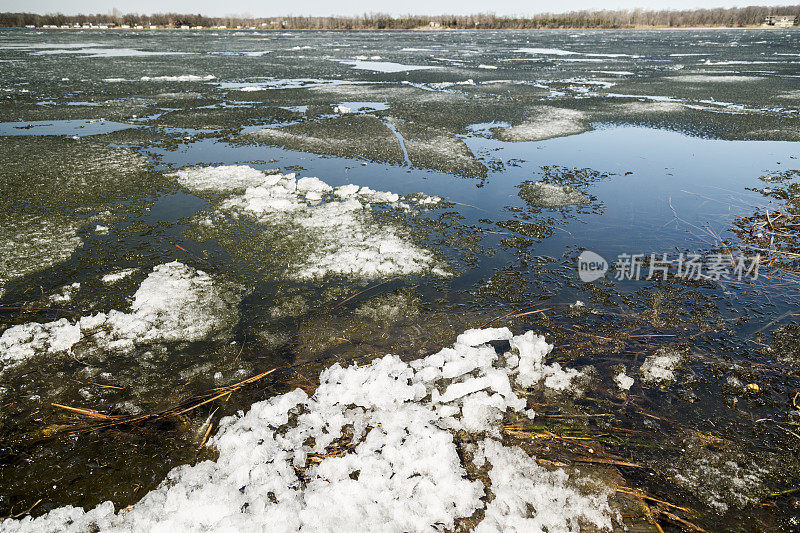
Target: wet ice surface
452	177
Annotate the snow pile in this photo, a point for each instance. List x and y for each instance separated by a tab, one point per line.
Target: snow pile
539	193
660	367
369	451
550	122
174	303
333	230
517	483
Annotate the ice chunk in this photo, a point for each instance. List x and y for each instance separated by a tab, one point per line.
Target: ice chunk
119	275
316	185
346	191
65	294
377	197
531	350
623	381
660	367
476	337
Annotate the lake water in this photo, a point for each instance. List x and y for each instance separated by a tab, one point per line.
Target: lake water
535	146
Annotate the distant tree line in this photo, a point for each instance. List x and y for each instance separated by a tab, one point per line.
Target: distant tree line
733	17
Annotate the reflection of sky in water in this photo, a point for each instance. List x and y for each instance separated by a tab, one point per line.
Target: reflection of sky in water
80	128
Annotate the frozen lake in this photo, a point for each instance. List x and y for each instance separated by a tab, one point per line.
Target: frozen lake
183	210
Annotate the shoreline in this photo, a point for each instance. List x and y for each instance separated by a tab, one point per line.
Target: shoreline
417	29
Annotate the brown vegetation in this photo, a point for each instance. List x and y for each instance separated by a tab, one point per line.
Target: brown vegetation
720	17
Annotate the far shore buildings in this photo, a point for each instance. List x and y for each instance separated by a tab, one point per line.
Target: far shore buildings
778	21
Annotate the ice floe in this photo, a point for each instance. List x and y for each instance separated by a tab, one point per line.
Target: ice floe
546	51
224	178
335	229
398	467
108	52
706	78
35	242
384	66
174	303
185	77
547	123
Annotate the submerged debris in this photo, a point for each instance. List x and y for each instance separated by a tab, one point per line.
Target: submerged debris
723	479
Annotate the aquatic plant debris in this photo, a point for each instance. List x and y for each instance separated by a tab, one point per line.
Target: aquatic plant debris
539	193
372	449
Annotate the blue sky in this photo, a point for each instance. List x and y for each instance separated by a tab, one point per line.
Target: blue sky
356	7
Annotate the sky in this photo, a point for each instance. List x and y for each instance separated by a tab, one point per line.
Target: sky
260	8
